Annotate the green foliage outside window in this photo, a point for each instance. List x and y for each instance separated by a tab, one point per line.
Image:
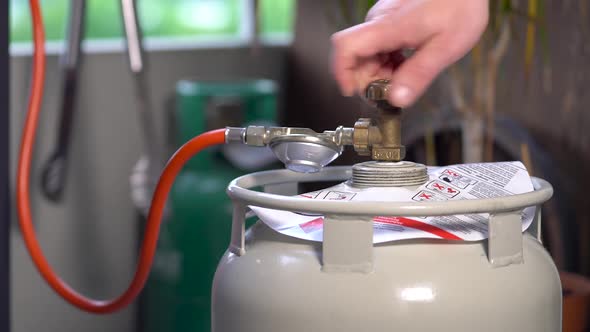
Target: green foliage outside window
159	18
277	16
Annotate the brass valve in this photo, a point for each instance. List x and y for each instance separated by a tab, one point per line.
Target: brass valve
304	150
380	139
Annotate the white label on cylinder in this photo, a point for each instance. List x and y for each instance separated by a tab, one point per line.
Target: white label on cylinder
455	182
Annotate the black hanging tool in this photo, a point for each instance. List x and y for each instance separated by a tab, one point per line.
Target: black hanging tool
54	171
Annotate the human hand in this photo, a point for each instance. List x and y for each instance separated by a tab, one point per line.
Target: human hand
440	31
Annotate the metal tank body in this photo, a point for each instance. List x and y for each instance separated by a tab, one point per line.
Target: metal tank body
267	281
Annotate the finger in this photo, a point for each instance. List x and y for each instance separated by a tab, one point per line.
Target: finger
342	74
380	67
417	72
353	45
367	70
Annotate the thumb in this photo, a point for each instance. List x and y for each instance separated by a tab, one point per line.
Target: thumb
417	72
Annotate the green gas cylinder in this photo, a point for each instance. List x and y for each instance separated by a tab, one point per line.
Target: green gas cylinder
195	236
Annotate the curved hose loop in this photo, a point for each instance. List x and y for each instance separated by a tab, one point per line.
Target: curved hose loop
154	218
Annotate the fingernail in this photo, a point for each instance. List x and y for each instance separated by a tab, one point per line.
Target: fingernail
401	96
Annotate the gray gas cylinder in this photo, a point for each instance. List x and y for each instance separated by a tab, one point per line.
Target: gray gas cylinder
271	282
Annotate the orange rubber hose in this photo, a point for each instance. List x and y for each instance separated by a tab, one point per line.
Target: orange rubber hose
165	183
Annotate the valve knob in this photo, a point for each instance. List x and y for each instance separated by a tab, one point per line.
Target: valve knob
377	90
384	139
376	95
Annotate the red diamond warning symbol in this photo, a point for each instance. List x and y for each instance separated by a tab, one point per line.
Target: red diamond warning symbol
443	188
450	172
451	190
425	196
438	186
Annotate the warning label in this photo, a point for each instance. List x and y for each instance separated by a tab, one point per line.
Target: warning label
456	182
330	195
312	194
339	196
425	195
456	179
443	188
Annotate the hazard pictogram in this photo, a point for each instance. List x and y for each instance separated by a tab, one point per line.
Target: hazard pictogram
339	196
443	188
438	186
427	196
450	172
313	194
461	181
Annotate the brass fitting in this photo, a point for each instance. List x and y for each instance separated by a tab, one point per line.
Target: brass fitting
360	138
366	134
379	138
382	141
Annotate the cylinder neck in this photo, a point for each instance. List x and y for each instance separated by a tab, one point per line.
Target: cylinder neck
388	174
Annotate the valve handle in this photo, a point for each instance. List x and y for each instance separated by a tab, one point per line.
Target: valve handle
376	95
388	146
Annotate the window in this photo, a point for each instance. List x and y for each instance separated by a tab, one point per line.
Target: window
276	18
192	21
